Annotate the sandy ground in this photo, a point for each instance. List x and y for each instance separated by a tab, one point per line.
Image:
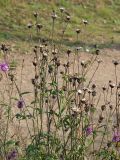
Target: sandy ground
105	72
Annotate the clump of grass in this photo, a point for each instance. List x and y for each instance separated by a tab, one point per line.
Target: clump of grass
68	117
102	16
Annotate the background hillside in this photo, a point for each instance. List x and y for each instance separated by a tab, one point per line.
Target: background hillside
103	18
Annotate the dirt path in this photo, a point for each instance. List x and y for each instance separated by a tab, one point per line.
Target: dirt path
103	75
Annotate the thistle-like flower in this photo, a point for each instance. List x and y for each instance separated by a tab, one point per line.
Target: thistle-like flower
12	155
116	137
89	130
4	67
20	104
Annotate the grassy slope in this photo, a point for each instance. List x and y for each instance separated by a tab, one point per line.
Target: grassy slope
103	17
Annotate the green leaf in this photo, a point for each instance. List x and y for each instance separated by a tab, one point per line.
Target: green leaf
10	142
20	116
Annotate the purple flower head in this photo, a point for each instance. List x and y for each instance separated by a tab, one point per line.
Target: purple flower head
89	130
20	104
4	67
12	155
116	137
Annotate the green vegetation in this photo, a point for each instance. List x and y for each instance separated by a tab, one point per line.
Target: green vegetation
103	18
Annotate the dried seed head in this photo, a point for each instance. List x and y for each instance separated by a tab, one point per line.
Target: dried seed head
35	50
64	65
68	65
103	107
29	25
97	51
112	85
54	58
57	63
78	31
94	93
82	63
62	9
4	48
68	52
54	52
74	78
85	89
35	14
68	18
61	72
115	62
45	56
75	109
100	119
35	63
33	81
54	15
89	91
70	79
36	46
46	101
85	22
41	48
93	86
39	26
83	100
104	88
86	108
79	91
79	48
111	107
110	81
